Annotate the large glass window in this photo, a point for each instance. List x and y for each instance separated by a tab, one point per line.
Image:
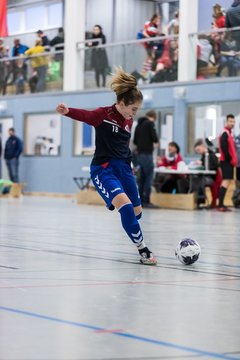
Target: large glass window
55	14
15	20
34	18
24	18
42	134
207	121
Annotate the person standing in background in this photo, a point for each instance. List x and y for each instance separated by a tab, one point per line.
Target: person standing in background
228	160
145	138
44	38
13	150
99	59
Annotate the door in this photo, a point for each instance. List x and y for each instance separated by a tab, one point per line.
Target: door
5	125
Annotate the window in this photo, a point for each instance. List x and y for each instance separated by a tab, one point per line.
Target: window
207	121
42	134
55	15
31	18
15	22
34	18
84	139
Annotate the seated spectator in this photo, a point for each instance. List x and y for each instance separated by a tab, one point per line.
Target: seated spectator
170	183
213	181
167	64
204	51
228	55
233	20
39	65
58	40
58	43
172	158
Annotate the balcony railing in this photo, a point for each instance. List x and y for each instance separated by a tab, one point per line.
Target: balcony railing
218	53
152	60
31	74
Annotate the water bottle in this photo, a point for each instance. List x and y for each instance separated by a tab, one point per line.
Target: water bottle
207	160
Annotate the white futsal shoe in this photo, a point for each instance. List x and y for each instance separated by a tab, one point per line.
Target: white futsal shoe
147	257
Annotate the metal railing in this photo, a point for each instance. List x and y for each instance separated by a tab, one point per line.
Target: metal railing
29	74
217	52
151	60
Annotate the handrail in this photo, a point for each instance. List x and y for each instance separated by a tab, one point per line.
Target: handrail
99	40
220	30
128	42
25	57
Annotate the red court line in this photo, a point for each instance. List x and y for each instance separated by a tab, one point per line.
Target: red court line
166	282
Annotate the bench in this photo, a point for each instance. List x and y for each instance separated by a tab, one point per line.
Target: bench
175	201
50	86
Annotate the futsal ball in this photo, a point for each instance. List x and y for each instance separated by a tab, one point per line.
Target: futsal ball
188	251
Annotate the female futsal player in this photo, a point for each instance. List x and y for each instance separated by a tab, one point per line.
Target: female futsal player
110	169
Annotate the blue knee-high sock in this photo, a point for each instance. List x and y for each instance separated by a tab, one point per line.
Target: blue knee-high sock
130	224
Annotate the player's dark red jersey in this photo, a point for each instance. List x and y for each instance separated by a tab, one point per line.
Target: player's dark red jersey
113	132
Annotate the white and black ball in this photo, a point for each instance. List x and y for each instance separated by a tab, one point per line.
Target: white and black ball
188	251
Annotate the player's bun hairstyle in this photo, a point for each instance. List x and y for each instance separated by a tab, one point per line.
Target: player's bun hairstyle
125	87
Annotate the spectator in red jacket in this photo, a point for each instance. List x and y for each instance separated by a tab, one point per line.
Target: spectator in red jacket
151	29
172	158
170	183
218	17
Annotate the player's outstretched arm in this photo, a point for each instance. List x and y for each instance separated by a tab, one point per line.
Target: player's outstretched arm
62	109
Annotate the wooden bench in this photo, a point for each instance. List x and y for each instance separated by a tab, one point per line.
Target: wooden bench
208	71
89	196
50	86
174	201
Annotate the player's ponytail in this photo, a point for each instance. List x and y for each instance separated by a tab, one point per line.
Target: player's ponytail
125	87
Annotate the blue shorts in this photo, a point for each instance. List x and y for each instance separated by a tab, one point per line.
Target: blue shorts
114	179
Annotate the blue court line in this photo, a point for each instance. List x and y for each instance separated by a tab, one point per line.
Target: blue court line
122	334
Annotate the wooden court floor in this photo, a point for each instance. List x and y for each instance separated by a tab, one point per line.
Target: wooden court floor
71	286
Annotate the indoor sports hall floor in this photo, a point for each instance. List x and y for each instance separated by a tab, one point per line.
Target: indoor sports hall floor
71	286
